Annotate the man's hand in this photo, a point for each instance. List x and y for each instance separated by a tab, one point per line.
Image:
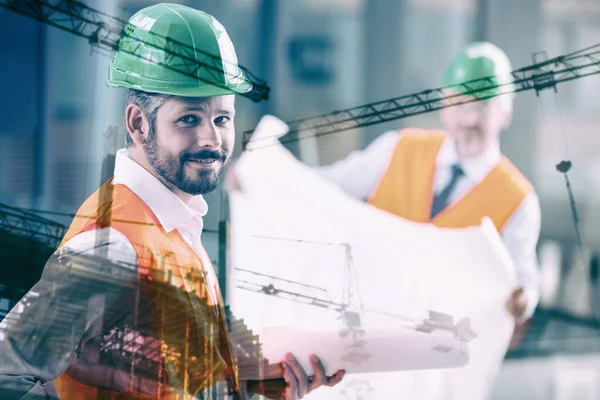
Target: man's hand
295	383
517	304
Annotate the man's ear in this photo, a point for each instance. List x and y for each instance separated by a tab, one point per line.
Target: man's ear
138	127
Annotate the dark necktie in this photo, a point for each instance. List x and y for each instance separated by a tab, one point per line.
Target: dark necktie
440	201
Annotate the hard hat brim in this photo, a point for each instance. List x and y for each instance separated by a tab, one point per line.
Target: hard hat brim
118	78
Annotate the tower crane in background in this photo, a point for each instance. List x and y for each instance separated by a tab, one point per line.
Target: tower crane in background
103	32
349	309
351	304
539	76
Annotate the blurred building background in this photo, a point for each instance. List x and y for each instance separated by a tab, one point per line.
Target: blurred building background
59	121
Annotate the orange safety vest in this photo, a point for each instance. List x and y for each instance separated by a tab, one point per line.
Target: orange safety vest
193	338
406	188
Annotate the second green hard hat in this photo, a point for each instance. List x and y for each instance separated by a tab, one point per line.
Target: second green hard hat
476	61
177	50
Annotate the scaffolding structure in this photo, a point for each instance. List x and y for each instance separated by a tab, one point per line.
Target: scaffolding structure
28	225
135	350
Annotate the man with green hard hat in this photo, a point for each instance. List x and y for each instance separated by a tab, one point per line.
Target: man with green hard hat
453	178
129	307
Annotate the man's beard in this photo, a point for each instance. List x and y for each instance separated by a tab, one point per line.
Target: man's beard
171	168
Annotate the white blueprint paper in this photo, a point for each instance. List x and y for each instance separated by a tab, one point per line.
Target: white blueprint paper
291	224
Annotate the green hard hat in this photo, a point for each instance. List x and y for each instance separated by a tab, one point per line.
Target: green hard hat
177	50
477	61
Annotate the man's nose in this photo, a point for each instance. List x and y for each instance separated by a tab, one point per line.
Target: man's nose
469	119
208	136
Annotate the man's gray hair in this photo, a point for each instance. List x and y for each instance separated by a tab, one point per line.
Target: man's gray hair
149	103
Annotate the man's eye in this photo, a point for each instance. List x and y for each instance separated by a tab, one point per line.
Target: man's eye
188	119
221	120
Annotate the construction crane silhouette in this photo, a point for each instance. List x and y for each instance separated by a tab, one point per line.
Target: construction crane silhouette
104	31
351	304
349	312
543	74
348	309
28	224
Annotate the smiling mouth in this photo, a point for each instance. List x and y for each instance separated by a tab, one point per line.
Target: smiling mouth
204	161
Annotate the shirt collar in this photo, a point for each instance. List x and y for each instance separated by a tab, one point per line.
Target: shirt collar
475	168
170	210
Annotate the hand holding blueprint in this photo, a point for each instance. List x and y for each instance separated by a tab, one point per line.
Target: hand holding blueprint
300	245
380	350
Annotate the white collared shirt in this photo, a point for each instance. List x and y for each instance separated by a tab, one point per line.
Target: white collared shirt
170	210
359	173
